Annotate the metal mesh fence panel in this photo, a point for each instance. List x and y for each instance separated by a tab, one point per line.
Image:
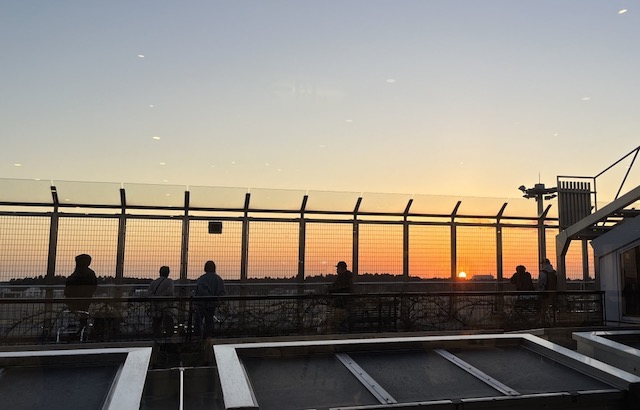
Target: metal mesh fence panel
150	244
380	249
24	244
97	237
429	251
326	244
273	249
573	258
592	263
476	250
224	249
519	247
550	237
573	261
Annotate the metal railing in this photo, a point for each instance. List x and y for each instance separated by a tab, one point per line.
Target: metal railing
28	321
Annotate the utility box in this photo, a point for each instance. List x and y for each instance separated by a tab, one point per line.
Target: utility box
215	227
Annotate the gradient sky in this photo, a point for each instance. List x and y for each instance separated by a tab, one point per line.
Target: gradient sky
449	97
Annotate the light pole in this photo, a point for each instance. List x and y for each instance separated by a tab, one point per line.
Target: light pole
540	193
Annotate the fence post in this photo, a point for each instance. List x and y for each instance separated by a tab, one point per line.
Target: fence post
454	242
245	240
51	264
302	234
356	238
244	263
405	241
122	229
184	245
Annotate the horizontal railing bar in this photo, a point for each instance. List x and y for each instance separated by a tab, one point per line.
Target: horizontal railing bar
297	296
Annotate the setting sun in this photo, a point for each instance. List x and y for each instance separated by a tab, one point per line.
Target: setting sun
462	275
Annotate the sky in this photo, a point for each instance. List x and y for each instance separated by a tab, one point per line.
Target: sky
456	97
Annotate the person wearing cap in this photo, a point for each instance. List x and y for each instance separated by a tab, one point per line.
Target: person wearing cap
344	281
342	284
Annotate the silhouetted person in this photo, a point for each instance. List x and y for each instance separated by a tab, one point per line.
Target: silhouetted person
161	317
81	284
525	306
547	281
342	284
522	279
548	278
209	284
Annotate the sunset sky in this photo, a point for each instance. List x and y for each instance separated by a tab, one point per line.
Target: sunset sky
460	97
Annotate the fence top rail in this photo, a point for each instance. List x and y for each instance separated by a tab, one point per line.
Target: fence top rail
59	195
292	283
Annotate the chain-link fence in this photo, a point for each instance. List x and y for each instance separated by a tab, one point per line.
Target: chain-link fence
274	234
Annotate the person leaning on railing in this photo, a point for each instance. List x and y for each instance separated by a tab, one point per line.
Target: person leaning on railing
209	284
160	315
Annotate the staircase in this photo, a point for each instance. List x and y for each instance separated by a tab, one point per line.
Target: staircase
580	220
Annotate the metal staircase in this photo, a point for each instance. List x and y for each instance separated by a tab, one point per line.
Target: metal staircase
579	217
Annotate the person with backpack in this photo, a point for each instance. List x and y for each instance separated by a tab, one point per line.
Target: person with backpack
522	279
548	277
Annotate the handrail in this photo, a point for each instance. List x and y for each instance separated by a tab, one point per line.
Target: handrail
158	299
626	175
50	320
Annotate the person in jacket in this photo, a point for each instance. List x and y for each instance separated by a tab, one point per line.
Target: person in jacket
209	284
161	311
342	302
522	279
82	283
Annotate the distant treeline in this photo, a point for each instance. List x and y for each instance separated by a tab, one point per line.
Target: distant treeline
110	280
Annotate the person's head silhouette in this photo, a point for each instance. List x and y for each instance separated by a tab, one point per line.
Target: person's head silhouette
210	266
83	261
